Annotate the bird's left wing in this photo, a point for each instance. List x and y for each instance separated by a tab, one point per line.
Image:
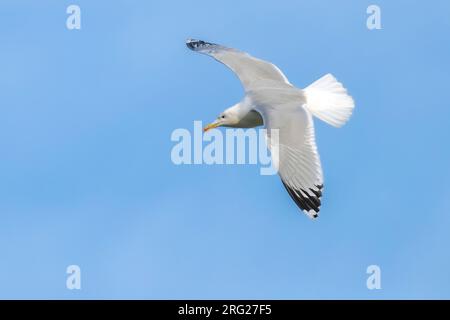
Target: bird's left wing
252	72
294	153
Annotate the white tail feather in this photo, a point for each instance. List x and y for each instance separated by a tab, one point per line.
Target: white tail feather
327	99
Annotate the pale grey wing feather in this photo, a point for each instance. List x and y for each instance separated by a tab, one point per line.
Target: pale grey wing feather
252	72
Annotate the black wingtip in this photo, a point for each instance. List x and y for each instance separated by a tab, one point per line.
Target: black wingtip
310	204
195	44
190	43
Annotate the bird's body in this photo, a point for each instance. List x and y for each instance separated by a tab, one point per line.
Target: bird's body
272	101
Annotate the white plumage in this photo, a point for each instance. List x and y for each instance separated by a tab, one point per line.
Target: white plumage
271	100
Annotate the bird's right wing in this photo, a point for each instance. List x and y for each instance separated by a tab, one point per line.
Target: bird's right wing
295	155
252	72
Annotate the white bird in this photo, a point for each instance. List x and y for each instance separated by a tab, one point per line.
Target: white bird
272	101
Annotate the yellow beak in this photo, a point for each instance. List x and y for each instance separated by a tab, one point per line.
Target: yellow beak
210	126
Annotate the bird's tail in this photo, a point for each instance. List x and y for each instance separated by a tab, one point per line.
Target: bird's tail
327	99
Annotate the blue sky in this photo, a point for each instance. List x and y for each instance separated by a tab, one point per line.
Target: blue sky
86	176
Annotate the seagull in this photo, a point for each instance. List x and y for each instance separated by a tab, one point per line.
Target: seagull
271	100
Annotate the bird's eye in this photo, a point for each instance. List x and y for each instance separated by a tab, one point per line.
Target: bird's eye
223	116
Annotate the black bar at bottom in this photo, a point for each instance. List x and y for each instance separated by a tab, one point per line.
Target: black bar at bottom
224	309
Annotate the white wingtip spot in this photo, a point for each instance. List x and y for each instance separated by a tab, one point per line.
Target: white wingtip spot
311	214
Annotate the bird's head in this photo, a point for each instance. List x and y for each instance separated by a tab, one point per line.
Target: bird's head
228	118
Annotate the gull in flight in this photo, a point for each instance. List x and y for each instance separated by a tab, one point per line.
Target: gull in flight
271	100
